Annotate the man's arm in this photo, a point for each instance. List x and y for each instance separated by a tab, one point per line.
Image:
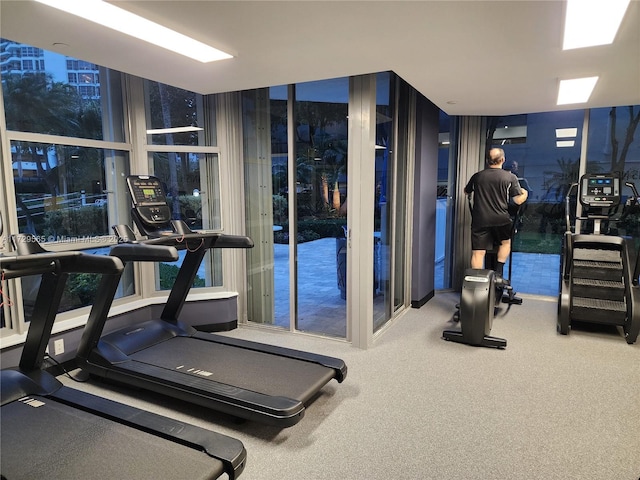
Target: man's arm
520	199
468	189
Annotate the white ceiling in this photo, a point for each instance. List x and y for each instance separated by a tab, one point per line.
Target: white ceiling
471	57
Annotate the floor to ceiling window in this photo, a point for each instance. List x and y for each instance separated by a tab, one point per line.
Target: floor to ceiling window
614	146
297	205
321	113
296	149
66	145
384	199
543	151
444	202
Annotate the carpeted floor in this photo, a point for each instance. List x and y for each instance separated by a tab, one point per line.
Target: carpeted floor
417	407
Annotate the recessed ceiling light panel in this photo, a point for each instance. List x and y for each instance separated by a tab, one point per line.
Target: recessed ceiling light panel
566	132
577	90
592	22
136	26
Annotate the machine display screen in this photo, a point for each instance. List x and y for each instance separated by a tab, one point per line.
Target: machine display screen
600	190
149	194
600	186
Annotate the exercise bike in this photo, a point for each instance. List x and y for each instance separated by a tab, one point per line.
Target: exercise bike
482	292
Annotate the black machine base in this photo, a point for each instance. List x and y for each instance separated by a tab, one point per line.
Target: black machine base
477	309
487	340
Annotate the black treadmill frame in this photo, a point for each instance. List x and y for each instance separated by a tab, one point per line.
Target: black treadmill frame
110	359
28	379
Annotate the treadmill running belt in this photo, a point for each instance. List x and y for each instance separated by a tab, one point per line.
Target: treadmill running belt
247	369
42	438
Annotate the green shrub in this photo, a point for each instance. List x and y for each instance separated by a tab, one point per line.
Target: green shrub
89	220
168	274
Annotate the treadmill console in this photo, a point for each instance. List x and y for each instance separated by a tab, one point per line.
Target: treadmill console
149	200
600	190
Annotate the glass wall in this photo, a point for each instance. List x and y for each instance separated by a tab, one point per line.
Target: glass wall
321	125
384	194
71	152
614	146
543	151
297	204
443	204
67	161
177	119
278	119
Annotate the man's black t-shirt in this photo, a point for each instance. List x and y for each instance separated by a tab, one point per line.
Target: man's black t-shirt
492	188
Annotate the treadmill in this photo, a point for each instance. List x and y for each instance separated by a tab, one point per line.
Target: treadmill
53	431
244	379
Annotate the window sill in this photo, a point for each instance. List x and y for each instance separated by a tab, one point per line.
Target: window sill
81	319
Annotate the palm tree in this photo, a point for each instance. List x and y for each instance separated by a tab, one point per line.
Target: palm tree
619	155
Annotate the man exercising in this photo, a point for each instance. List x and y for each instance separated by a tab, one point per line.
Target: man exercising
491	223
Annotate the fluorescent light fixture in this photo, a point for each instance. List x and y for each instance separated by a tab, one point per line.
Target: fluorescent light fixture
566	132
136	26
592	22
577	90
565	143
158	131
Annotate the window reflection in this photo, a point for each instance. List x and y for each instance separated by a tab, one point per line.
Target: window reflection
546	168
61	190
174	115
196	204
50	93
614	146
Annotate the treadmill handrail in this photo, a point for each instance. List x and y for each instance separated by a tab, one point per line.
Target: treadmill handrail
29	379
214	240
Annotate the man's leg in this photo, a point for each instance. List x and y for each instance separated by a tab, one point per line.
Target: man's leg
477	258
503	253
503	250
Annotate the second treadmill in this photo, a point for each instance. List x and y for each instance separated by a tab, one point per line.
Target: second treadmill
53	431
250	380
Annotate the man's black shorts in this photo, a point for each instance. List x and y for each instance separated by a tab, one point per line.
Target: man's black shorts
486	238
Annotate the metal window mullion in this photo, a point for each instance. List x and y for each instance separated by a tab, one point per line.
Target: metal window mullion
293	206
13	135
410	160
582	167
361	187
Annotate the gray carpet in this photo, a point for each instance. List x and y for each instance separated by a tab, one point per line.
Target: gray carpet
417	407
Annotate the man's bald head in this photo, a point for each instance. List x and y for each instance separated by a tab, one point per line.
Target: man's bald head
496	156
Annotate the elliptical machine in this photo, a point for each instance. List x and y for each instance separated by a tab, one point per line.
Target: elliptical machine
482	292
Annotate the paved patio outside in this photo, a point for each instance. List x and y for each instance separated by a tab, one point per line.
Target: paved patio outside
322	310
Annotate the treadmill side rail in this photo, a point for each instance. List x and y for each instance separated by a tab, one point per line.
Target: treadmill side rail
338	365
229	451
